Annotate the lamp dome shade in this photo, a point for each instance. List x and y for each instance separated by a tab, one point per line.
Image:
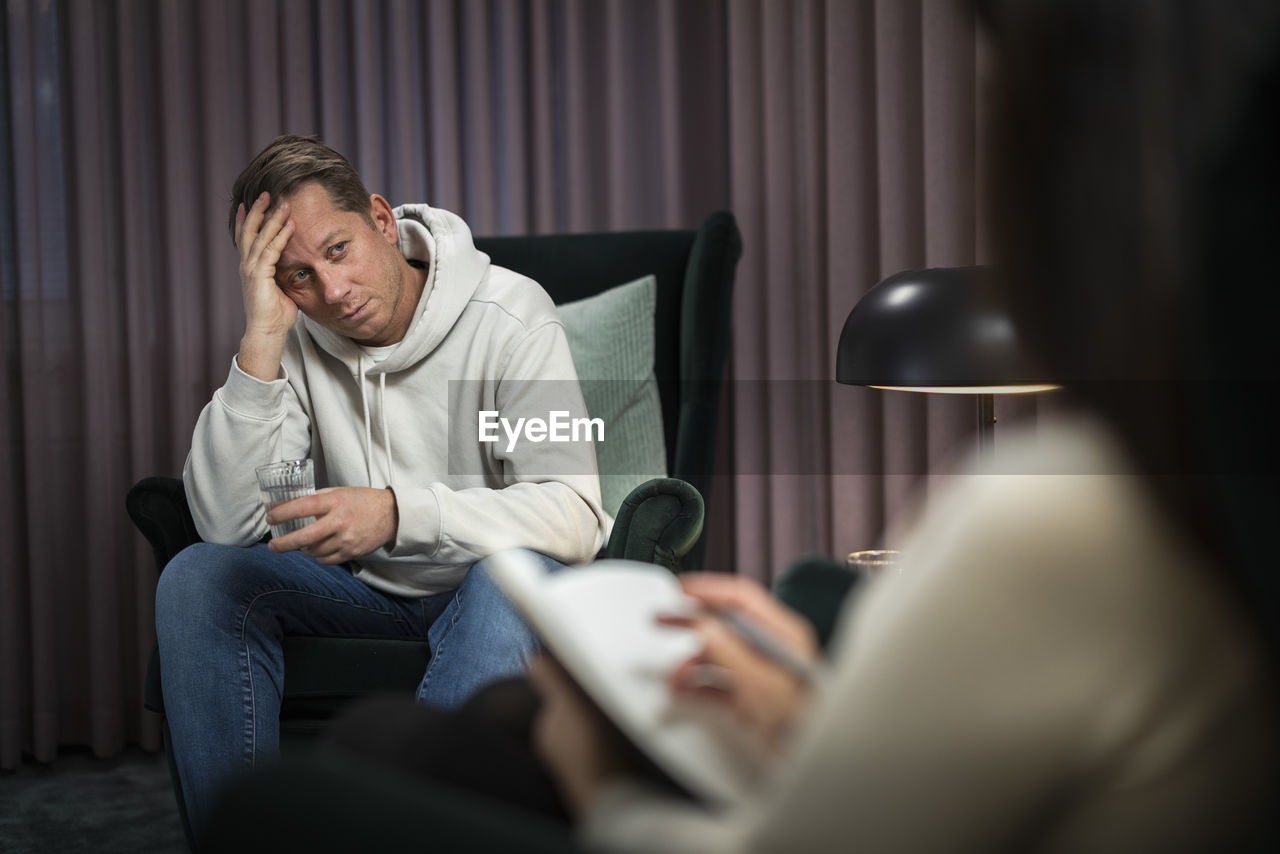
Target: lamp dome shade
930	328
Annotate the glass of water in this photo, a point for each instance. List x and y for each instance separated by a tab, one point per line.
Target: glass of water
285	481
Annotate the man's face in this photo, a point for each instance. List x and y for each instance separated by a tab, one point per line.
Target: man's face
344	273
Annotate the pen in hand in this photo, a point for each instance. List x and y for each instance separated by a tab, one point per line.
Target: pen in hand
767	644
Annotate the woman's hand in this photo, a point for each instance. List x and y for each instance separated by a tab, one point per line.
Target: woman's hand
767	697
580	748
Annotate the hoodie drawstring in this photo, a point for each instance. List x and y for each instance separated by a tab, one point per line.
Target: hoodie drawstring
368	433
386	434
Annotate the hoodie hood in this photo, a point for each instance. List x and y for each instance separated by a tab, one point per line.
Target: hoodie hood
440	241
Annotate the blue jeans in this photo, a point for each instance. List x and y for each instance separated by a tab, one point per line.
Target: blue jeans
222	613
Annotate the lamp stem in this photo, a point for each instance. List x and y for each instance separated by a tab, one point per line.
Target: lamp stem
986	427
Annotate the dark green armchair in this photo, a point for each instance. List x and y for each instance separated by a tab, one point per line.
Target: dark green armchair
659	521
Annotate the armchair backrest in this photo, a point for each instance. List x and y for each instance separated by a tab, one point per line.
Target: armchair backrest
694	270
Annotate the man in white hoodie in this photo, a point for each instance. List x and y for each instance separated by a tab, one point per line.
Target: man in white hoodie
406	334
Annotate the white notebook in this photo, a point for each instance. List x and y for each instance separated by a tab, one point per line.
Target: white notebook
599	621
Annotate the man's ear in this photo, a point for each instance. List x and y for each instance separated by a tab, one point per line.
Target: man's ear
384	221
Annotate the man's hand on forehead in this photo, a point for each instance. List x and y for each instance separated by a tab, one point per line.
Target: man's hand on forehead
262	232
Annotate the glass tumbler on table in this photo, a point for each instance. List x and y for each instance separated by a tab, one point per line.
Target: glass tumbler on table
872	561
285	481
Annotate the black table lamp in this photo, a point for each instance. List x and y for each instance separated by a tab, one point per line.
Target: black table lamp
933	331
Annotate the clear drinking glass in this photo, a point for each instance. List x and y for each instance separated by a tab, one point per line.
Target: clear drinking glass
284	481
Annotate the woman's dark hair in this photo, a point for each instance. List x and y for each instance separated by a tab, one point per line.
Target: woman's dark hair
1134	205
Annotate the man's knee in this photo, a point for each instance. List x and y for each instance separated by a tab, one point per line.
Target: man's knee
480	594
479	579
183	579
202	576
479	582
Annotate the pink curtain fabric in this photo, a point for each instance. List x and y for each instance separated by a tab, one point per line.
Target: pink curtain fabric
842	134
855	141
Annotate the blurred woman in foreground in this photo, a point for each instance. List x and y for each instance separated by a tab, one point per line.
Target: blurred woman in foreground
1078	653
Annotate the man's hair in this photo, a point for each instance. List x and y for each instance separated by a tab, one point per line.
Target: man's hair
290	161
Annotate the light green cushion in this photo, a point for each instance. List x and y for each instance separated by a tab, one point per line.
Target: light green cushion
611	339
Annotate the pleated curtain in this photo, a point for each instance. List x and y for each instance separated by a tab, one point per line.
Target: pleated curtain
855	138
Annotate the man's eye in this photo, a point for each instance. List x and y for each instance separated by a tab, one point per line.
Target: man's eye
299	277
338	249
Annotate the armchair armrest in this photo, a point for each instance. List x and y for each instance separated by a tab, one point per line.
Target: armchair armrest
817	588
158	507
658	522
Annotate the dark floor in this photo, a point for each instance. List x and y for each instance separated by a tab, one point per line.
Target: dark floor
80	804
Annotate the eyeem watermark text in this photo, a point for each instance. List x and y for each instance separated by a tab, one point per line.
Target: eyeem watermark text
558	427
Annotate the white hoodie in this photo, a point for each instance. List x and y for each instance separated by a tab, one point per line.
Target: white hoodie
482	338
